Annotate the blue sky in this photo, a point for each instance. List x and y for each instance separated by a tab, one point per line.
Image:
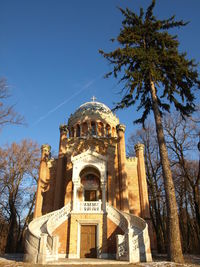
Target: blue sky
49	55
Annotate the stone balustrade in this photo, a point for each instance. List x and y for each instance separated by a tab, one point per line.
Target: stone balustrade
89	206
134	245
40	245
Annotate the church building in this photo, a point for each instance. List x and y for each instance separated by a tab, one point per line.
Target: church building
92	200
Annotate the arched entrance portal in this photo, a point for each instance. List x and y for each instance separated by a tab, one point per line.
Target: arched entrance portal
90	184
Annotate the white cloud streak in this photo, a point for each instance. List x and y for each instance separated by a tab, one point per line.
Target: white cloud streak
87	85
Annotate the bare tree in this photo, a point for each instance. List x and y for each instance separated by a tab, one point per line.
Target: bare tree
147	136
18	175
181	139
8	115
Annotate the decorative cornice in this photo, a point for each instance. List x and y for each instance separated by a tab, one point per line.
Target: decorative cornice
63	128
121	127
90	153
139	147
131	159
46	147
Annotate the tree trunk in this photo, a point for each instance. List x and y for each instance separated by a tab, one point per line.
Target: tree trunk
174	245
12	232
195	191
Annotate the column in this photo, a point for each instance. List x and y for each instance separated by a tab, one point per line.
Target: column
81	128
75	197
123	183
111	176
96	128
43	171
59	188
75	130
143	190
103	188
104	130
42	249
144	200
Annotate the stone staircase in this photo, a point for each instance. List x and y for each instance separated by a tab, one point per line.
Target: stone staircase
41	246
134	245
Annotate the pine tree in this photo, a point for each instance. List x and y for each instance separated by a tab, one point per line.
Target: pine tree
155	75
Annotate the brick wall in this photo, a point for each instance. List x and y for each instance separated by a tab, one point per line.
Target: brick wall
133	187
63	232
112	231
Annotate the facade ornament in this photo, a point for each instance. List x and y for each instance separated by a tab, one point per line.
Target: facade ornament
121	127
139	147
63	128
45	151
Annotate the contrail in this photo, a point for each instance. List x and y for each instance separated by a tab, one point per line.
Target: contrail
64	102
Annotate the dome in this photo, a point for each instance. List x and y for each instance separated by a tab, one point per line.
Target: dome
93	110
93	106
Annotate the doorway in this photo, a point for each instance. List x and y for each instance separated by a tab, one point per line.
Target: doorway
90	195
88	246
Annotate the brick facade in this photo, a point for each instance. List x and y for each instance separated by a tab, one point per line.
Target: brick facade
122	182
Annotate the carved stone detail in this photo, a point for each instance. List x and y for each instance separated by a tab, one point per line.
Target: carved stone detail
139	147
45	152
121	127
63	128
131	159
86	159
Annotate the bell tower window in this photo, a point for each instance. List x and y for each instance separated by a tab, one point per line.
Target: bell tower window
78	131
93	128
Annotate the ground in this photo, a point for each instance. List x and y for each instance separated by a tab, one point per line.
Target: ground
15	260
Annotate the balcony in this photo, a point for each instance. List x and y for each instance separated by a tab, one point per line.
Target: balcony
88	207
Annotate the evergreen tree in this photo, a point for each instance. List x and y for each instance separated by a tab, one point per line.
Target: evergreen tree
154	76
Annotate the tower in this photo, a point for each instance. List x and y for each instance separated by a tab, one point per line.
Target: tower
90	197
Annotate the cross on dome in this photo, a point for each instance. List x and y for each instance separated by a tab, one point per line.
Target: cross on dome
93	98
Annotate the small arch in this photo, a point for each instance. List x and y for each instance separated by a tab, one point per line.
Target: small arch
107	130
90	182
90	169
100	129
72	132
78	130
93	128
84	129
113	131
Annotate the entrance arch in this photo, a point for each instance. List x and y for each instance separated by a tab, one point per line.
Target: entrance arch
92	163
90	184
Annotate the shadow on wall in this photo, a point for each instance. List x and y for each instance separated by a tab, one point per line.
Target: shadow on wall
111	237
142	248
48	189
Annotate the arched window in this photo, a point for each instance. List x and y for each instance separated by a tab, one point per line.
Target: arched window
72	132
113	131
84	129
90	180
78	130
107	130
93	128
100	129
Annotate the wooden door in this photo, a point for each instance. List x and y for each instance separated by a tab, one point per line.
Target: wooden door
88	241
